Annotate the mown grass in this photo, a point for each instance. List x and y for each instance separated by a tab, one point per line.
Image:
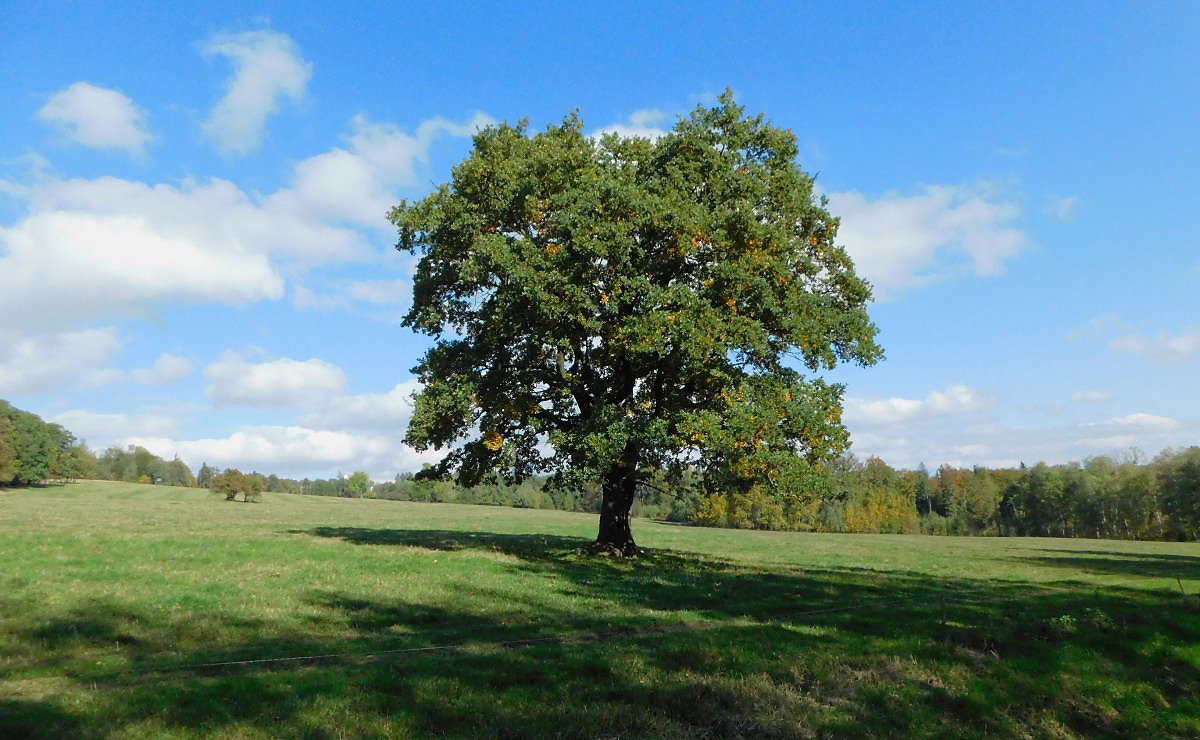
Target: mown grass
479	621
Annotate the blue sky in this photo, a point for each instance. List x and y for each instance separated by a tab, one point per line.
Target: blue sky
194	255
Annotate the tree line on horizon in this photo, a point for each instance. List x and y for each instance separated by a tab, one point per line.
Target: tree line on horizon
1100	497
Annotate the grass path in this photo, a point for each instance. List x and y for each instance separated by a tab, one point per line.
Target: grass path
481	621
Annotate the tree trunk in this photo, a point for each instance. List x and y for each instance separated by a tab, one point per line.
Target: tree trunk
615	535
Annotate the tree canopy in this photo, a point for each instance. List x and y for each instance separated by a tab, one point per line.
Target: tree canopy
33	450
621	309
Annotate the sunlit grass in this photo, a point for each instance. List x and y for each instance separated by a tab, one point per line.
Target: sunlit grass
486	621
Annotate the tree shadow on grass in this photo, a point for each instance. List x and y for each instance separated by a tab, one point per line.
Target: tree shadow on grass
673	645
1131	564
536	547
33	718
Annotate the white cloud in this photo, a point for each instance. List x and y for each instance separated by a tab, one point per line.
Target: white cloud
168	368
356	183
37	169
644	123
282	382
344	294
102	247
1062	208
902	242
358	432
1142	420
106	430
40	363
267	69
35	364
1162	348
305	297
382	412
98	117
294	451
1140	430
108	246
1091	397
966	440
379	292
956	399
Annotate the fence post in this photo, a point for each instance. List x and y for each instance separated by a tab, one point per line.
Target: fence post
1180	582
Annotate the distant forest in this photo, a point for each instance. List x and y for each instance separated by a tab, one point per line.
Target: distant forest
1099	497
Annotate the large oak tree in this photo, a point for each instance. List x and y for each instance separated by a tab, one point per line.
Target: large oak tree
622	309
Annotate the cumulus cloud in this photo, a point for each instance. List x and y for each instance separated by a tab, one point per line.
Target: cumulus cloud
645	123
294	451
273	383
1162	348
305	297
956	399
101	247
268	68
98	117
966	439
379	292
168	368
1142	420
901	242
1142	430
346	432
381	412
345	294
108	246
107	430
40	363
355	183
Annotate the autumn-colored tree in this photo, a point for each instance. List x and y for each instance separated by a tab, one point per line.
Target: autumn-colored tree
233	482
607	310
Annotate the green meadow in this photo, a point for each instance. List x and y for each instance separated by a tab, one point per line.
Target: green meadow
142	611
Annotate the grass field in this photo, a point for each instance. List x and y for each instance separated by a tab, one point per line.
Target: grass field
115	599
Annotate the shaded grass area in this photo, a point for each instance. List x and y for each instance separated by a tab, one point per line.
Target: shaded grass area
411	620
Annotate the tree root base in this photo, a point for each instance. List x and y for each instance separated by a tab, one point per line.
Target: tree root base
609	550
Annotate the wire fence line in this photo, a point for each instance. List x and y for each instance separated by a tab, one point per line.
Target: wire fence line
943	599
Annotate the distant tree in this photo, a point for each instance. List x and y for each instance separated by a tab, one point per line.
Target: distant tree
149	465
359	484
233	483
228	483
923	490
177	473
1180	480
33	450
32	447
637	305
205	476
1137	502
8	458
136	464
76	462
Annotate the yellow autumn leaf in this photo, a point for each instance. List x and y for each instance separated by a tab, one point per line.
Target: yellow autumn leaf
493	441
